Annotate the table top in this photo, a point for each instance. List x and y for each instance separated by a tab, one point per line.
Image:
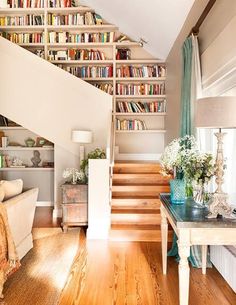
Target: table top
187	216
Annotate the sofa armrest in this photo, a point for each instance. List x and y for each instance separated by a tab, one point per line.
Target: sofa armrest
20	212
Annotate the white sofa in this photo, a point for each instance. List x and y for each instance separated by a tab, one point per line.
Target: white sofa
20	212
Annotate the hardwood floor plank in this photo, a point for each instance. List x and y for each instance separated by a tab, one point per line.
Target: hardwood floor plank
130	273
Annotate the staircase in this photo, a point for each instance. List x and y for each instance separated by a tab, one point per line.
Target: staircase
135	207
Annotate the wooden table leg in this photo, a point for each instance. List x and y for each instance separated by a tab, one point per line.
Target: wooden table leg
184	252
204	258
164	240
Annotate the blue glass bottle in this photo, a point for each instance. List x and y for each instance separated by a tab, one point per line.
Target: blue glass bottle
177	189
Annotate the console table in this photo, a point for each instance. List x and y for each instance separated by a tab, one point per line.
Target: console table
74	205
192	228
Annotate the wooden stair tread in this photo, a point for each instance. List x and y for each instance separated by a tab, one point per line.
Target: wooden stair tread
135	227
135	203
134	218
132	196
120	210
136	167
139	179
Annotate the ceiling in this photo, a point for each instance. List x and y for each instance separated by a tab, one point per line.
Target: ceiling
157	21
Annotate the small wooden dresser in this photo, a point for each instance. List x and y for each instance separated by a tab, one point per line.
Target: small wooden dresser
74	205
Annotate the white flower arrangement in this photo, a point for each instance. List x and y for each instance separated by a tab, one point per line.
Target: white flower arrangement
75	175
175	154
183	156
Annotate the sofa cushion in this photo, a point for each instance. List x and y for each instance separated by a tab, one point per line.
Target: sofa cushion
12	188
2	193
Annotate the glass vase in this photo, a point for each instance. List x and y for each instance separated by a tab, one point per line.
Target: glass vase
200	195
177	191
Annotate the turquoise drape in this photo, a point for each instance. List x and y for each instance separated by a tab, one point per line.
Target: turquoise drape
187	128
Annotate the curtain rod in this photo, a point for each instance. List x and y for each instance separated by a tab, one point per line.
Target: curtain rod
195	29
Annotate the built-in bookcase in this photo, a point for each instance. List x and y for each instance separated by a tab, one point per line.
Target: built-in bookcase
79	41
16	161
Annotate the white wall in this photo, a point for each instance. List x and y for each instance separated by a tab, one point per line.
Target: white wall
51	102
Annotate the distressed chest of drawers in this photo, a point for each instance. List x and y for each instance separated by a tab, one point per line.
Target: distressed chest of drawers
74	205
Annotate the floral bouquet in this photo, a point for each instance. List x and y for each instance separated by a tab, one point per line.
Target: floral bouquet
74	175
183	156
175	154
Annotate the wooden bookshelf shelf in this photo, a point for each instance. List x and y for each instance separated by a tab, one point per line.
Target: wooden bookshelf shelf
142	131
141	97
12	169
86	28
81	45
82	62
69	10
140	113
35	45
23	28
140	79
97	79
138	61
21	11
18	148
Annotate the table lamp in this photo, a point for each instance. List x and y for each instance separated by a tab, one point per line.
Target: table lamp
82	137
217	112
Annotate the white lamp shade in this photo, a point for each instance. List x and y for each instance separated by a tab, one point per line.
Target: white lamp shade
216	112
81	136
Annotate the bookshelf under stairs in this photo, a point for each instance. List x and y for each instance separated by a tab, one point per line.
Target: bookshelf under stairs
135	205
79	41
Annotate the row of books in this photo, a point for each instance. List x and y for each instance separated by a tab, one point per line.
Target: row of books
76	54
140	89
123	54
39	52
89	72
141	107
141	71
66	37
106	87
26	3
21	20
60	3
75	19
24	37
130	125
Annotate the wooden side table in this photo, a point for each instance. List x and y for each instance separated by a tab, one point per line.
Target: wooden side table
192	228
74	205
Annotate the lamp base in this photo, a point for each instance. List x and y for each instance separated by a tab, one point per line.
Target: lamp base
219	206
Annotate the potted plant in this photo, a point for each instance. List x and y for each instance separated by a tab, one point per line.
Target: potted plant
94	154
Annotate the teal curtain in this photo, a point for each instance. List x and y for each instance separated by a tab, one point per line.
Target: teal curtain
186	128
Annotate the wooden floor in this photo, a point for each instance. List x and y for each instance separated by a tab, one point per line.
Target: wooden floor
129	273
43	218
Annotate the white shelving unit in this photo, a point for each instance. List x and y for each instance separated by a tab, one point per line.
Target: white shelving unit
139	57
42	177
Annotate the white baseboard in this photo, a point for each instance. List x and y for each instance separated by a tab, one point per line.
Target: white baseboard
44	204
144	157
57	212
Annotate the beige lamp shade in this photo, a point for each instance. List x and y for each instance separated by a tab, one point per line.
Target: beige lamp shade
81	136
216	112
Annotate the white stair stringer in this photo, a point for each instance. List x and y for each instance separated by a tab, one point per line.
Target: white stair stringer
49	101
